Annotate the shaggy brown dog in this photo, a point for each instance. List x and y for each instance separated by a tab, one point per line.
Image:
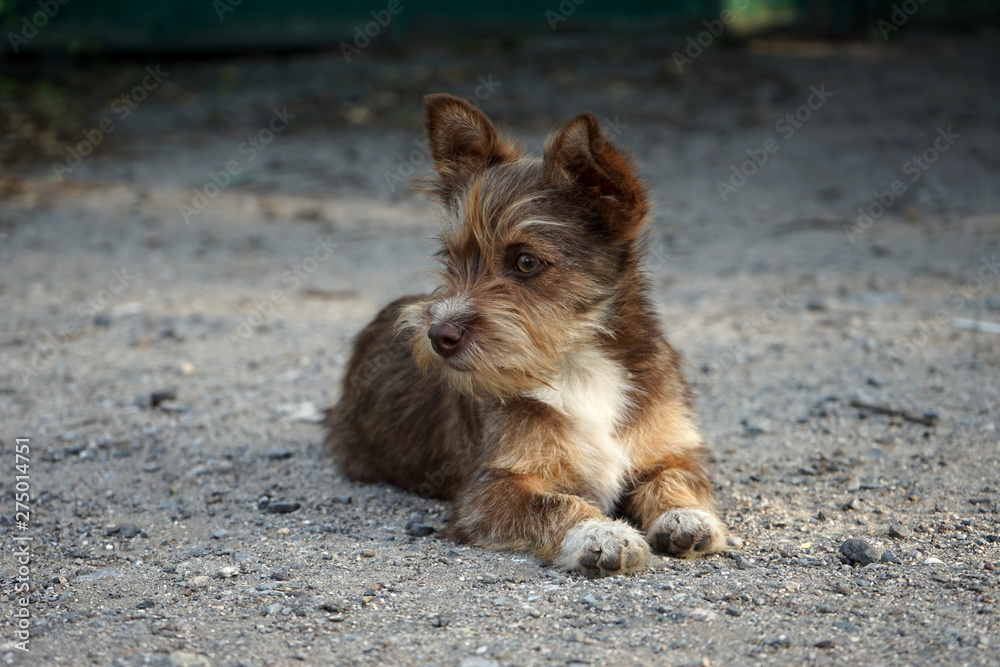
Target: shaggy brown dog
534	386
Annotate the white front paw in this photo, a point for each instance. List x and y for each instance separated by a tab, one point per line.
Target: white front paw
599	547
687	533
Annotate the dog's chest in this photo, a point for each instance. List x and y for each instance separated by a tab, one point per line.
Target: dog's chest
592	392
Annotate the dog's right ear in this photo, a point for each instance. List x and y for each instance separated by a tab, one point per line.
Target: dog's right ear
462	138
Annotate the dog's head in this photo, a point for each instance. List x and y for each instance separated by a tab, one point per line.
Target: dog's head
536	253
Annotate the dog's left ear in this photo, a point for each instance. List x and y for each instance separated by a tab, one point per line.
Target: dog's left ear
580	157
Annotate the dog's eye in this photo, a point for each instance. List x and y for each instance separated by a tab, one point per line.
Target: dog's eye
527	264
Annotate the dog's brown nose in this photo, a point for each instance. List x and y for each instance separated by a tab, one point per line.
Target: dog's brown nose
446	339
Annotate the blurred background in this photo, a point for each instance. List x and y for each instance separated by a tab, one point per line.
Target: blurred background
366	64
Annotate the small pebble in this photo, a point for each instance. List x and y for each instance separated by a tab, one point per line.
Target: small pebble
280	574
860	552
228	572
843	588
855	504
282	507
146	604
420	530
199	582
741	562
933	561
277	453
734	542
368	553
899	531
490	578
129	530
703	615
161	396
889	557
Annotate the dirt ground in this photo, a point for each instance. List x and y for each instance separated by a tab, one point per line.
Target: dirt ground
162	366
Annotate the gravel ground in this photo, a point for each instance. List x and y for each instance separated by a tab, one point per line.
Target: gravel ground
167	373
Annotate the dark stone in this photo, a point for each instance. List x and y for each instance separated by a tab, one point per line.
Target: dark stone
282	507
860	552
420	530
161	395
129	530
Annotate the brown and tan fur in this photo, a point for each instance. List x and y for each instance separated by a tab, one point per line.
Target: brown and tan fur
539	394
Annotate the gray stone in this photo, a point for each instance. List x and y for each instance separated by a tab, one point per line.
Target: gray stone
860	552
420	530
899	531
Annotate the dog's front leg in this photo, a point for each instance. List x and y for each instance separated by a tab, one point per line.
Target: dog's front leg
673	502
515	511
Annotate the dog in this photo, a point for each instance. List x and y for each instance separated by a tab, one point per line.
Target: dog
534	387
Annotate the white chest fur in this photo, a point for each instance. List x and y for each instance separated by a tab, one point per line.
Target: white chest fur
592	391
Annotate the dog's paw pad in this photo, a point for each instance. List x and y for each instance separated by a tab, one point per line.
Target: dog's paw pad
598	548
687	533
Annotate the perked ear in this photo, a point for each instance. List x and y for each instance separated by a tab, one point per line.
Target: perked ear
580	157
462	138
